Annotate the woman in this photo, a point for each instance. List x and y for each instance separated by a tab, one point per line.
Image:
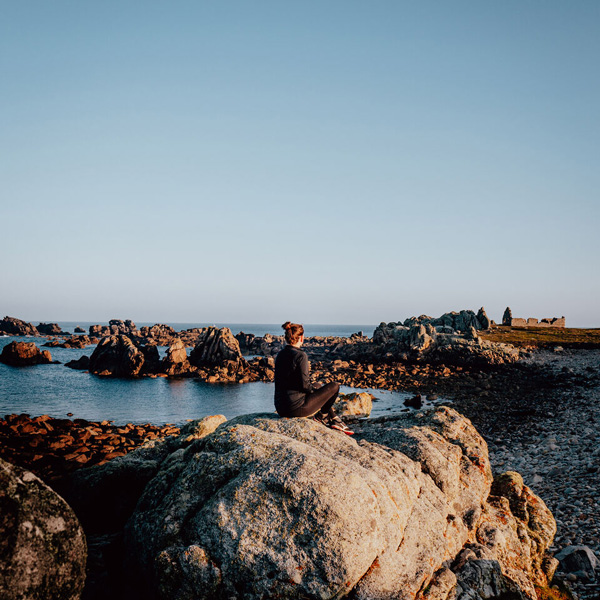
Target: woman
294	394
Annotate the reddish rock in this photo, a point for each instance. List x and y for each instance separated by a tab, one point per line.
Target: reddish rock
49	329
23	354
12	326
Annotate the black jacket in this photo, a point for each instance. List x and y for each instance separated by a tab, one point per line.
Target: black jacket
292	379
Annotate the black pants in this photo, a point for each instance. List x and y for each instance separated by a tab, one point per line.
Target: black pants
320	400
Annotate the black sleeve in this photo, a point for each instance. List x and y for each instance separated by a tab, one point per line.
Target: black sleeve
305	373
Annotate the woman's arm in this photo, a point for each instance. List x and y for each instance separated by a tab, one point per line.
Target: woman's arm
307	387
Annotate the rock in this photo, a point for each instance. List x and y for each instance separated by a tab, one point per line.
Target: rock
573	559
354	405
12	326
42	545
22	354
425	339
176	361
266	507
81	364
483	319
152	360
116	356
415	401
49	329
115	327
507	317
218	354
79	330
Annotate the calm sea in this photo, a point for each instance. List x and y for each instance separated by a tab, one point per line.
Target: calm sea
56	390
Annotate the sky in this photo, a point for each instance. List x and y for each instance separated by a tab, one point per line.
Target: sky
319	162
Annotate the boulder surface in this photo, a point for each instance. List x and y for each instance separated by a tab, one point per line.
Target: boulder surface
24	354
266	507
42	545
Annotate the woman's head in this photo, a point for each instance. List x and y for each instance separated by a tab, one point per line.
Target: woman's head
293	332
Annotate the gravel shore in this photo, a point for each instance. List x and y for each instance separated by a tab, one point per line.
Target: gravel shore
551	436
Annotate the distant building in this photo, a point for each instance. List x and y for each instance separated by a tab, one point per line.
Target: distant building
507	319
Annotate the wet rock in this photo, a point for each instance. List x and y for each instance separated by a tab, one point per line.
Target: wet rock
23	354
13	326
42	545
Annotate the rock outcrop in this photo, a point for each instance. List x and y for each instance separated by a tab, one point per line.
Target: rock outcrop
116	356
24	354
114	327
218	354
176	361
49	329
266	507
42	545
439	340
12	326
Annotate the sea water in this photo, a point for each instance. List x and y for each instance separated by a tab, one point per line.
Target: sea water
57	390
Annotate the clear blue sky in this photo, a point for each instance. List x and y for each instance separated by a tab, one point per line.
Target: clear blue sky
324	162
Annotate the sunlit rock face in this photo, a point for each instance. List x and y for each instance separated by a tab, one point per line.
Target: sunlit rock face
268	507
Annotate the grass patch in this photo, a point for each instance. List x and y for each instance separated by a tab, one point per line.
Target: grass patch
543	337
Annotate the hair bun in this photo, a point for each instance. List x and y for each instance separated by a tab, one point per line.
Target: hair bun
286	325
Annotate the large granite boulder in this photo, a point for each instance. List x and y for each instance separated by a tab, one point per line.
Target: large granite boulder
266	507
116	356
42	545
12	326
24	354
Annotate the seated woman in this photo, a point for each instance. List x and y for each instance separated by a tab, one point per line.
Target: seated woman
294	394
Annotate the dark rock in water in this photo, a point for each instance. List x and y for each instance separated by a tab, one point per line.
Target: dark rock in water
414	402
116	356
12	326
23	354
79	330
216	347
151	358
82	364
49	329
42	545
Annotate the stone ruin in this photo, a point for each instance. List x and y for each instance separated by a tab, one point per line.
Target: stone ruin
507	319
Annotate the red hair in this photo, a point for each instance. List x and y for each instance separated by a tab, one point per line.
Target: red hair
293	332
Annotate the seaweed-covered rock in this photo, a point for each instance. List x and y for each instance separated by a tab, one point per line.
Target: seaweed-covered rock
42	546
